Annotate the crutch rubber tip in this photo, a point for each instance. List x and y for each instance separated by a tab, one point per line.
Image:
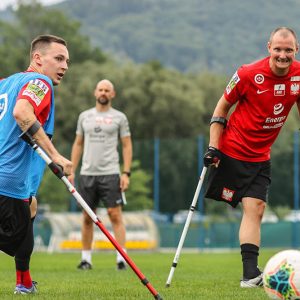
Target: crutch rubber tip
158	297
167	284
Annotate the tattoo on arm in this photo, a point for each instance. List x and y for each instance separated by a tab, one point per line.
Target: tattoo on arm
24	124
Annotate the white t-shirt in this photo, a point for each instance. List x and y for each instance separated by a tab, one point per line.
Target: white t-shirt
101	132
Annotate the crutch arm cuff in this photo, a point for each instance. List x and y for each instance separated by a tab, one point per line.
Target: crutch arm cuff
32	130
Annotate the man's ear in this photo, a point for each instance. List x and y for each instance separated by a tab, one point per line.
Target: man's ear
269	46
37	58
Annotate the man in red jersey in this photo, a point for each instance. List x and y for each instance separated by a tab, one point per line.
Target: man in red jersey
264	92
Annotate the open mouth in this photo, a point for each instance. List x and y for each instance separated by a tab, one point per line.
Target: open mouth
60	75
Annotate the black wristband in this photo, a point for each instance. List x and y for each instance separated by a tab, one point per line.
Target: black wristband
219	120
32	130
127	173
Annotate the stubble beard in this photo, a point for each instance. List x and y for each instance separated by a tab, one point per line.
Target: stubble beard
103	101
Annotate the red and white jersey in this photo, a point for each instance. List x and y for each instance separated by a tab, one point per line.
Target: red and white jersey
264	101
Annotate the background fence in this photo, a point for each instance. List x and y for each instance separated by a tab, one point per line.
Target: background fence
177	163
175	166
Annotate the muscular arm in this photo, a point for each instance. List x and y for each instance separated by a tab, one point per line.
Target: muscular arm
216	129
25	117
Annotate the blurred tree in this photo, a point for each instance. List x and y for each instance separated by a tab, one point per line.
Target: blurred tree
33	19
53	192
138	195
158	102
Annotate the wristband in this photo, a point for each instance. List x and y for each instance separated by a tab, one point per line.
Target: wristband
127	173
219	120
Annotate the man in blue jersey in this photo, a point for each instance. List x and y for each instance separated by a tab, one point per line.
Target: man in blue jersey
27	105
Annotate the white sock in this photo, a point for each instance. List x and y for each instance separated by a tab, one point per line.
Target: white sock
86	255
120	257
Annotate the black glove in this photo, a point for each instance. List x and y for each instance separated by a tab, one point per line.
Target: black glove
212	156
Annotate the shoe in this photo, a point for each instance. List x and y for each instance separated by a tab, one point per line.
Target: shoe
21	289
84	265
252	283
121	266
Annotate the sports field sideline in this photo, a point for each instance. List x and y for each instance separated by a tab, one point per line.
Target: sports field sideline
207	276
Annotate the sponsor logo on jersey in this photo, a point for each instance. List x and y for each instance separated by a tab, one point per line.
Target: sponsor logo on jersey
271	122
261	91
278	108
279	89
3	105
36	90
227	194
104	120
295	89
259	78
97	129
232	83
295	78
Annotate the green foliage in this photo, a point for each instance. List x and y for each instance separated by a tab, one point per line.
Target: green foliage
31	20
52	191
159	102
191	36
138	195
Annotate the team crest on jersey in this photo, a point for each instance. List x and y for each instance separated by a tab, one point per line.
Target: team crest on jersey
259	78
227	194
36	90
232	83
279	89
3	105
295	88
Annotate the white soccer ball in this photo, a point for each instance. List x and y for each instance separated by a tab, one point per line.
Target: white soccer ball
281	277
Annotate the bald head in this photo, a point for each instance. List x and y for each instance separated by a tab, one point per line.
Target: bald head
104	92
283	32
107	83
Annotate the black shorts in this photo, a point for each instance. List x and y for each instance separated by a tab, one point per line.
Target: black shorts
235	179
106	189
14	223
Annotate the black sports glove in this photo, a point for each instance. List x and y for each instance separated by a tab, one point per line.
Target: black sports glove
212	156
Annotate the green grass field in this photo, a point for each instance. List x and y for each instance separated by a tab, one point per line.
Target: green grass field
207	276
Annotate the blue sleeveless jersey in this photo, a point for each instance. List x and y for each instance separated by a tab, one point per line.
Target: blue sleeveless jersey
20	168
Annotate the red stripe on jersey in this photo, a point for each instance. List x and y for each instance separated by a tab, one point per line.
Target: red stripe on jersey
38	92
